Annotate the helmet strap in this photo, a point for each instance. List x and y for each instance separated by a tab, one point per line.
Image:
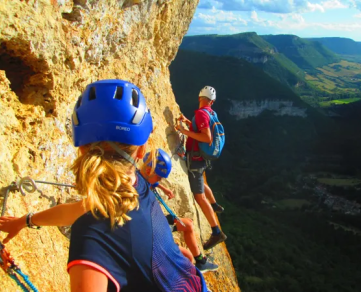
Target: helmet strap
122	153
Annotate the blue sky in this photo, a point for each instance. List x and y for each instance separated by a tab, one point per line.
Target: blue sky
304	18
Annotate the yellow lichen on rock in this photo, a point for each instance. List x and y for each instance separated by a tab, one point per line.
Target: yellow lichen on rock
49	51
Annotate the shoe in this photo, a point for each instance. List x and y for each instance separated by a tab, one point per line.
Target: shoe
214	240
217	208
206	266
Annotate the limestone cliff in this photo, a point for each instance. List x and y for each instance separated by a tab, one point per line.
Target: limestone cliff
251	108
49	51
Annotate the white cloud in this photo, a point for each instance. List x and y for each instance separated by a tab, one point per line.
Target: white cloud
254	16
297	18
300	17
295	23
256	20
279	6
209	4
217	16
274	6
315	7
340	26
334	4
355	4
209	19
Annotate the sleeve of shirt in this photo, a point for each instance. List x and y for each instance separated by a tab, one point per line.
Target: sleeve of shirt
202	120
88	248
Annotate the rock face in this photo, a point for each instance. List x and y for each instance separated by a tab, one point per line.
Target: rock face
49	51
251	108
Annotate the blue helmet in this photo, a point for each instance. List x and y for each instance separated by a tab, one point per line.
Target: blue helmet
111	110
163	163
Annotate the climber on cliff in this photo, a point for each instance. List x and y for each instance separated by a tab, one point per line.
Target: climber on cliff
197	165
163	167
123	241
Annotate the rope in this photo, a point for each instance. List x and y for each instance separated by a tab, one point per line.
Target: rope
55	184
7	264
180	148
166	207
21	285
11	187
6	261
26	279
29	185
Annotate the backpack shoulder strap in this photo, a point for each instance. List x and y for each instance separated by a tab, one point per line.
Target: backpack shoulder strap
210	114
203	109
195	128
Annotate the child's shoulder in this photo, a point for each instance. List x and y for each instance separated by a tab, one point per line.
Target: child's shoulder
141	185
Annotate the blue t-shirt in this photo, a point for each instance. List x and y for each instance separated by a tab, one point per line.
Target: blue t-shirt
139	256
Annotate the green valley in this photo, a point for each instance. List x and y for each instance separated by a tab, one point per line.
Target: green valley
348	49
318	74
307	55
289	176
250	47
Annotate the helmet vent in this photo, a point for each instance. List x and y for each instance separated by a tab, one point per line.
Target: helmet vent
78	103
92	94
118	93
135	98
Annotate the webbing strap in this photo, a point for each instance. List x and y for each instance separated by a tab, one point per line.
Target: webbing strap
26	279
17	280
189	158
169	210
124	154
15	277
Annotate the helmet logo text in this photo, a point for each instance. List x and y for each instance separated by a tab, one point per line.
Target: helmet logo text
120	128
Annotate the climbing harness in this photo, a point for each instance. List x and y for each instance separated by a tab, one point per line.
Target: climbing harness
167	207
29	185
182	153
7	263
180	150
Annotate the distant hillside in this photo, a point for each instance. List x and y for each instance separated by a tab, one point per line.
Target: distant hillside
306	54
342	46
234	79
251	47
310	69
265	141
267	151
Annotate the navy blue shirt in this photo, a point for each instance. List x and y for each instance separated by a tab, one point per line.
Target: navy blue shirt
139	256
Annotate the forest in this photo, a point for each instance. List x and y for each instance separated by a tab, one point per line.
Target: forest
284	230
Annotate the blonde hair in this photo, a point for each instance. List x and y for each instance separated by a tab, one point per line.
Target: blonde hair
101	178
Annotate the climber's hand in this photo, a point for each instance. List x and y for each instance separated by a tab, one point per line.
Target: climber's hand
12	226
179	127
185	120
169	194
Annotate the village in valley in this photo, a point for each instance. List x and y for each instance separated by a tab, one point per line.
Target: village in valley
317	193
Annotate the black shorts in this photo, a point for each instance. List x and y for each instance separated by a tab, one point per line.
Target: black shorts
195	176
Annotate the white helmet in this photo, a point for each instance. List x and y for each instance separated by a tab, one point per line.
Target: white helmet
208	92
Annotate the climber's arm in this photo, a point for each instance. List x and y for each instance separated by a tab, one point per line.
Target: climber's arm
204	136
61	215
166	191
184	119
